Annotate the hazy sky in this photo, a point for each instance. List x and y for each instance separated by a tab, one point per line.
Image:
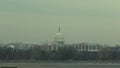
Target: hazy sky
92	21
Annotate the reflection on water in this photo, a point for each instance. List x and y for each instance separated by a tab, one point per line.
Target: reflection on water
62	65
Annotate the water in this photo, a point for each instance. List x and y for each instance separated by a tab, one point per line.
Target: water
61	65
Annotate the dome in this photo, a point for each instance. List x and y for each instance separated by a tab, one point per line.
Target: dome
59	37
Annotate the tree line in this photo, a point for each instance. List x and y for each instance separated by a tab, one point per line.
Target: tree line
63	53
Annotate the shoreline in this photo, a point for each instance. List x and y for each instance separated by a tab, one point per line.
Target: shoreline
51	61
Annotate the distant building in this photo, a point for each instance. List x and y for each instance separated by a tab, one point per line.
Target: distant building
59	42
87	47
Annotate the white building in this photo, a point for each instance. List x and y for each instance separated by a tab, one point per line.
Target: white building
59	42
87	47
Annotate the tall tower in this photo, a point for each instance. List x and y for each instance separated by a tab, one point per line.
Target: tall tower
59	39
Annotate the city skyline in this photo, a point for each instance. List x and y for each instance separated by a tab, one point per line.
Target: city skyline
81	21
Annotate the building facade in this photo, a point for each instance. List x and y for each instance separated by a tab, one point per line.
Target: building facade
59	42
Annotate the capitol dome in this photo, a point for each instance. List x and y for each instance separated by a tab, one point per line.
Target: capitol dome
59	39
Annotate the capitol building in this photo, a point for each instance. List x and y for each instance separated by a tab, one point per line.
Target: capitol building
59	41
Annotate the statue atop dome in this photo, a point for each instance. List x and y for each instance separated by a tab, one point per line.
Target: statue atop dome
59	29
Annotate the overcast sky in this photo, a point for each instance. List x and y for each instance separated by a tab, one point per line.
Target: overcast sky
92	21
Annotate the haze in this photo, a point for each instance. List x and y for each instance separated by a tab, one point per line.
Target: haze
90	21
